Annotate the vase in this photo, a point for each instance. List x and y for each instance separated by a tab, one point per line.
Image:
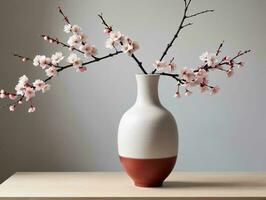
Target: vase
148	136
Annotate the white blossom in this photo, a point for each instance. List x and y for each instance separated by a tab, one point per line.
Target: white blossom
31	109
36	60
67	28
23	80
56	58
75	60
12	108
204	56
109	44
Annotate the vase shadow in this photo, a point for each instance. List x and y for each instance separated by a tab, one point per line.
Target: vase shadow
198	184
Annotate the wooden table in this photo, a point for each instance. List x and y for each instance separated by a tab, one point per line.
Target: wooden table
116	185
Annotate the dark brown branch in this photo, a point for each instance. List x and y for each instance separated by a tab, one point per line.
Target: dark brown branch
22	57
85	63
219	48
139	63
62	13
104	22
56	40
199	13
180	27
175	76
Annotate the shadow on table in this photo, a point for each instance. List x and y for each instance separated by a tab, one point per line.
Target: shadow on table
188	184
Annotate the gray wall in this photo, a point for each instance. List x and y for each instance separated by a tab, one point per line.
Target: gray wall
75	125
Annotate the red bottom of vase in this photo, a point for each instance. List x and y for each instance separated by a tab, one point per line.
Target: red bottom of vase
148	172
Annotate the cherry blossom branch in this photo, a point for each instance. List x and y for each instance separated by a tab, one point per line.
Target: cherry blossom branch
56	41
62	13
133	46
180	27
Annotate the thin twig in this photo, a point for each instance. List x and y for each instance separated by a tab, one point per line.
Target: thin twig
180	27
62	13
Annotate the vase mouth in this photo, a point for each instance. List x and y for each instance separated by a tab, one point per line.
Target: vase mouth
147	75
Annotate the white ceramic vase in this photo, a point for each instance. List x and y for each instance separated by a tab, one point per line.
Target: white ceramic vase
148	136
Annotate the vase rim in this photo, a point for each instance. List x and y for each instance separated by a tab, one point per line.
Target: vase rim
147	75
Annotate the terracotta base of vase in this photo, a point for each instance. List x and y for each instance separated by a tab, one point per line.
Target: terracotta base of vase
148	172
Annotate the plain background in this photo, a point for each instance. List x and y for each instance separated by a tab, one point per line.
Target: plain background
75	125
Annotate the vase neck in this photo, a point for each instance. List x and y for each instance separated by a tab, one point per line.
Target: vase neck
147	89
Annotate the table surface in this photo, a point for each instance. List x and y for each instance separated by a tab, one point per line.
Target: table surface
111	185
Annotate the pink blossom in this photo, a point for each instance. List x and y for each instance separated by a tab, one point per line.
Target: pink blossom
88	50
160	65
44	61
214	90
187	74
81	69
200	76
2	94
83	37
230	72
116	36
188	93
76	29
12	96
75	60
29	93
204	88
12	108
51	71
38	84
171	66
240	64
31	109
74	41
130	46
212	60
177	95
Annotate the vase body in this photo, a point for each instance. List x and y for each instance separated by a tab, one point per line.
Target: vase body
147	136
